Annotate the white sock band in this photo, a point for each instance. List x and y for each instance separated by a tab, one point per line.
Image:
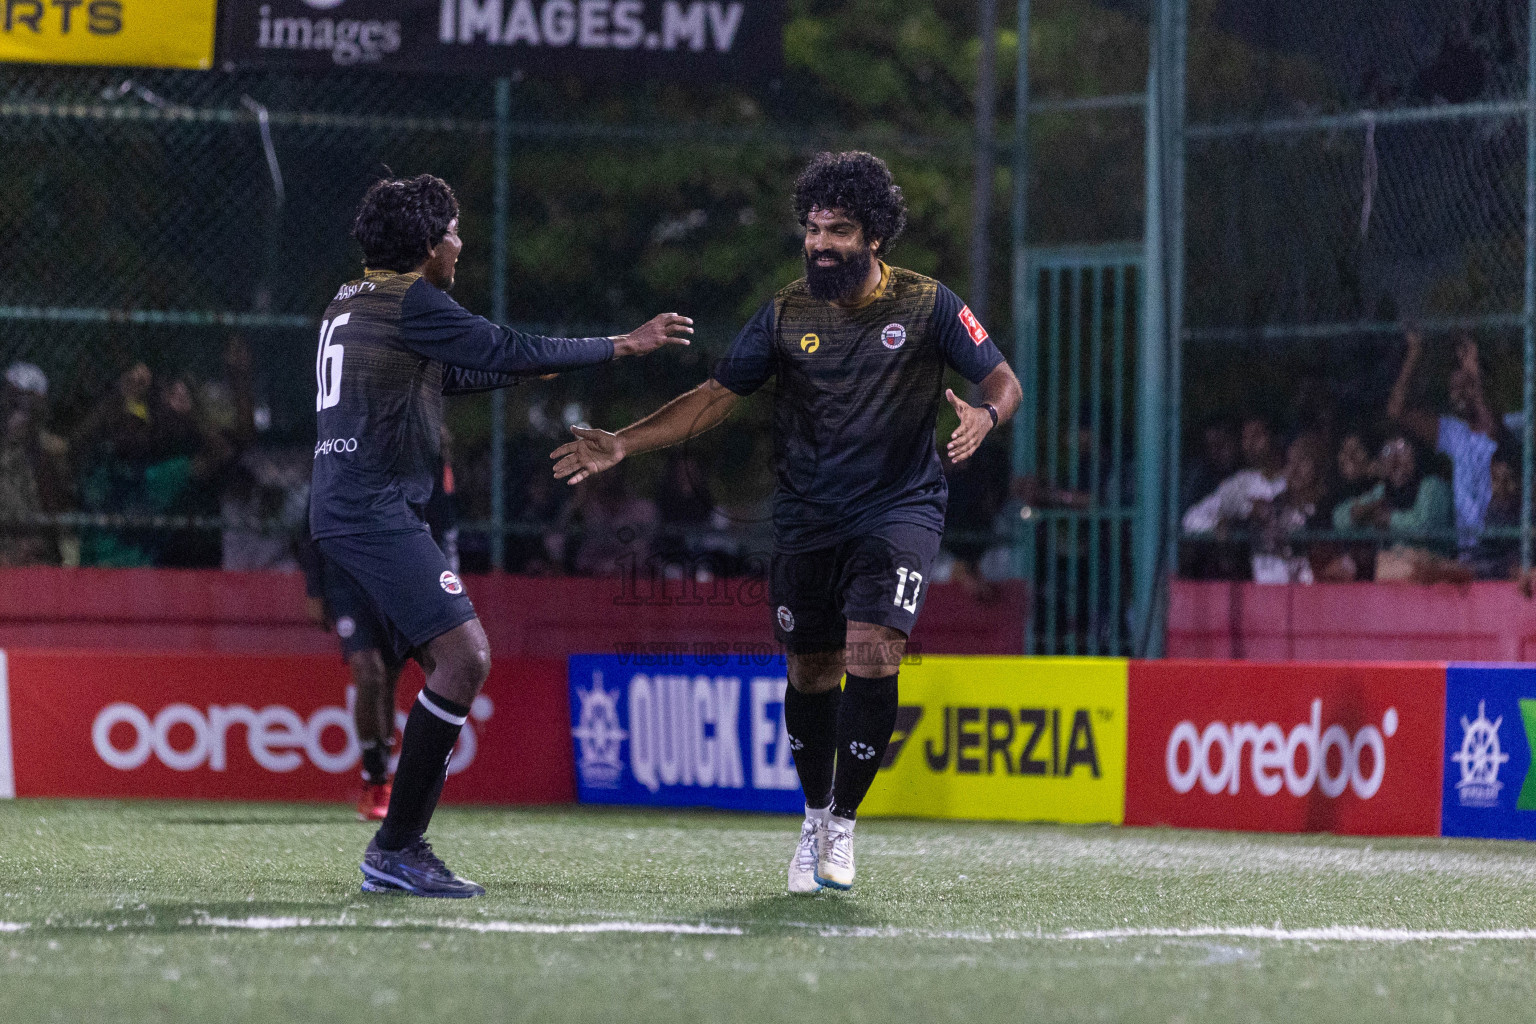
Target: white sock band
426	702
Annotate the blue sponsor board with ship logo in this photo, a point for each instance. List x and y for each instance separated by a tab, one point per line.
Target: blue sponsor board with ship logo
682	731
1490	728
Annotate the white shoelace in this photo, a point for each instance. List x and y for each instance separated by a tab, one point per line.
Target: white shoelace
805	853
840	847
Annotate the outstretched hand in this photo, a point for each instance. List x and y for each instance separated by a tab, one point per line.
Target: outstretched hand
666	329
975	424
592	452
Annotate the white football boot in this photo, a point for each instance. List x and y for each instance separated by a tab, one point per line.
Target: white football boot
802	866
834	866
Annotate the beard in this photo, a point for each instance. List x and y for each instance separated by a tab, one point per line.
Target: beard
839	281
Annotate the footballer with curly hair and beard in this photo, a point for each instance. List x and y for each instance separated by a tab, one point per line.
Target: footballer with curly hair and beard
859	348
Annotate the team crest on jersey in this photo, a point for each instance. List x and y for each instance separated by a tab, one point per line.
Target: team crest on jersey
809	344
449	582
894	336
786	619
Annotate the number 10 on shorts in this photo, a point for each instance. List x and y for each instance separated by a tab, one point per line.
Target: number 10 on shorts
903	577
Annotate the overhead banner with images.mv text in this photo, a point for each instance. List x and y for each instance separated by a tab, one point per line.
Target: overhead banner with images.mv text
738	40
133	33
1039	739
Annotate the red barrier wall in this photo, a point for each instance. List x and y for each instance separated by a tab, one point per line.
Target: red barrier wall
1351	622
260	727
536	617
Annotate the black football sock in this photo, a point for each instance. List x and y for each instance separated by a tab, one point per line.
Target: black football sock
811	721
865	721
375	762
431	730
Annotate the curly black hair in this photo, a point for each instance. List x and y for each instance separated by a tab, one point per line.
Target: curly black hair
860	185
401	220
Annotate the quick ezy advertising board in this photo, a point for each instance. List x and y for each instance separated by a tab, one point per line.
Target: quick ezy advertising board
136	33
682	731
1489	791
250	727
1020	739
1349	748
1005	738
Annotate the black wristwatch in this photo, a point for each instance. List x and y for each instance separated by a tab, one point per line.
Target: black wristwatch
991	410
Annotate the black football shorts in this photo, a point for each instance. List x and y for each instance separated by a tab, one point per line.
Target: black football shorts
880	576
405	577
356	625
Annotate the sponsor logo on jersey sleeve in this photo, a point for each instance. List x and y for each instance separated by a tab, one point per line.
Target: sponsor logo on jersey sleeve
973	326
894	336
786	619
449	582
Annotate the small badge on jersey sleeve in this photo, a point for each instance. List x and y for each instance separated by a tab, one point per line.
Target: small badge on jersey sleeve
894	336
449	582
786	619
973	326
809	344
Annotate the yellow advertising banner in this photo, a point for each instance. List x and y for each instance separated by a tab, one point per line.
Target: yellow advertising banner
1018	739
137	33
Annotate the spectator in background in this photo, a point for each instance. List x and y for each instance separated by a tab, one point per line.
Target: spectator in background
1301	508
1408	503
615	527
1216	459
266	504
694	540
34	478
1466	434
1231	505
1357	474
1498	558
534	501
978	489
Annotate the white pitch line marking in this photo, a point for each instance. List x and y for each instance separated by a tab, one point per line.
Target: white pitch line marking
263	924
1326	934
1331	933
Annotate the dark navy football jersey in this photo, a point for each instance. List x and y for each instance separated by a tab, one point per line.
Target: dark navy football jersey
857	403
392	345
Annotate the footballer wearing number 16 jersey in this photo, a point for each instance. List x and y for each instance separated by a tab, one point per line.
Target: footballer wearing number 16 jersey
391	346
859	349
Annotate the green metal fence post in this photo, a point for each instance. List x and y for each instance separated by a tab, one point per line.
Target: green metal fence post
1026	359
1528	396
1151	390
499	202
1173	185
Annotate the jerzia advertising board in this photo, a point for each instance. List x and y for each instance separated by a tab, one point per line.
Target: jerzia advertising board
1348	748
1007	738
1020	739
137	33
720	39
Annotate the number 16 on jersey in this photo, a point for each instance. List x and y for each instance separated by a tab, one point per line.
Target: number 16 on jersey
328	364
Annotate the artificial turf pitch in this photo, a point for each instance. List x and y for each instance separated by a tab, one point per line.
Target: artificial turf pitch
200	912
